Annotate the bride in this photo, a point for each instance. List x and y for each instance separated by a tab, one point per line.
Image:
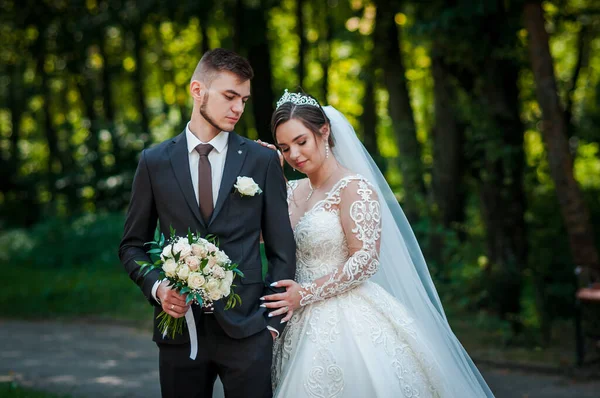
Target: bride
364	317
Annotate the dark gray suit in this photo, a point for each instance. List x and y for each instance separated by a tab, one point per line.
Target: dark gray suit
162	190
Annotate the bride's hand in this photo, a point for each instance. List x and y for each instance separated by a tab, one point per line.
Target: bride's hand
284	302
273	147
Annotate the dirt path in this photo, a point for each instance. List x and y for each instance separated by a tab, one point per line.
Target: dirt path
103	360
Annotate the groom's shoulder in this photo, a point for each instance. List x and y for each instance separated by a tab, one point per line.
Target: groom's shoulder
258	150
158	149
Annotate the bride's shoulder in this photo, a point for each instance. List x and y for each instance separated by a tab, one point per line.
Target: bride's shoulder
353	185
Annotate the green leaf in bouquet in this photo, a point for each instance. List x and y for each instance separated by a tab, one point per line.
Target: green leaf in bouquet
240	273
190	236
189	298
185	290
161	242
142	263
155	251
203	263
177	255
157	233
172	231
158	262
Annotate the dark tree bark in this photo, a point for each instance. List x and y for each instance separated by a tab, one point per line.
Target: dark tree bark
369	115
251	32
302	42
138	78
325	49
388	52
575	212
448	140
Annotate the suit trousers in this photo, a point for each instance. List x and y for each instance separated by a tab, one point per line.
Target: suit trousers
244	365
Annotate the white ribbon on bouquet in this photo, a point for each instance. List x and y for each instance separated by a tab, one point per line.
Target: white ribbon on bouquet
191	325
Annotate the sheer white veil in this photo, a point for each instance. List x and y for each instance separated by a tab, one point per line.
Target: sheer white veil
403	271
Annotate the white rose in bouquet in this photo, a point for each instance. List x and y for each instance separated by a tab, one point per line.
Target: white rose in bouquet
196	280
218	272
199	250
170	268
166	253
225	287
183	248
211	248
222	257
229	277
193	262
212	263
213	289
183	272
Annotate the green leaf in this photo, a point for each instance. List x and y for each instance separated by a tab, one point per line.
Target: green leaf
189	299
172	231
185	290
154	251
156	234
190	236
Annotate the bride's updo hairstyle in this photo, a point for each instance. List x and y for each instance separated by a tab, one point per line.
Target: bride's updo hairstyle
304	108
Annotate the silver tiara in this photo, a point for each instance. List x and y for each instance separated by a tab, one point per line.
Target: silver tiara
296	98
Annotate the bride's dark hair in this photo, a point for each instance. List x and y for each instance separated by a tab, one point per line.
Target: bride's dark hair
312	117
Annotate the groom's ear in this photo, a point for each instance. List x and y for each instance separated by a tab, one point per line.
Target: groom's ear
197	89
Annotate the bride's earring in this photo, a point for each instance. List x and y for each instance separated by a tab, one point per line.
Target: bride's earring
294	169
327	150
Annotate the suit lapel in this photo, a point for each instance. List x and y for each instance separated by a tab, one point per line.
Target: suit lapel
178	153
236	154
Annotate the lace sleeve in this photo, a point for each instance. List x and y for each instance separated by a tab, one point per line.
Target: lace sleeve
361	220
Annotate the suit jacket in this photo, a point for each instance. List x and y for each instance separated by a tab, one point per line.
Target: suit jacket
163	191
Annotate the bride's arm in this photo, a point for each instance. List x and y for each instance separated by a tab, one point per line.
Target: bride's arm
360	214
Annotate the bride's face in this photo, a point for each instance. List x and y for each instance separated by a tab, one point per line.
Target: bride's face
301	148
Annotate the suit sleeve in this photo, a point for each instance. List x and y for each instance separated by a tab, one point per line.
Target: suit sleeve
140	224
280	247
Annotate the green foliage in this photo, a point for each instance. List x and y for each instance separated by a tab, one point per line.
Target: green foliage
13	390
88	241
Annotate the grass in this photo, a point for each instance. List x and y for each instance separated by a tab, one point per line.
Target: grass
12	390
69	293
485	339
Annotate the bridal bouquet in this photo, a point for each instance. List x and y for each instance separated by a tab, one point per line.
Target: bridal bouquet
194	266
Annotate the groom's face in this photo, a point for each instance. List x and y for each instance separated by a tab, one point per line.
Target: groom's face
224	100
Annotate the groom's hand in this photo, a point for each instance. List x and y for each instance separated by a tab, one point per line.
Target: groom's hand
172	302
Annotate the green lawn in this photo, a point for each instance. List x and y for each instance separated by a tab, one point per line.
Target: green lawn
12	390
69	293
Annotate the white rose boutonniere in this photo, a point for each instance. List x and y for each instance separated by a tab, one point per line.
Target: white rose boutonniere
247	187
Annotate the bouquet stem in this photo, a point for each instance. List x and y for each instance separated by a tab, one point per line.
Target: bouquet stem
169	325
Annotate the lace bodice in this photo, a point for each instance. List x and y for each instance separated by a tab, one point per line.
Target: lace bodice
337	240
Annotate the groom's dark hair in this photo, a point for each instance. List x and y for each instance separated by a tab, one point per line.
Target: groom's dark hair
220	60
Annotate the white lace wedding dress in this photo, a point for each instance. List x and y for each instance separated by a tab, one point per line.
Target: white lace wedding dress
350	338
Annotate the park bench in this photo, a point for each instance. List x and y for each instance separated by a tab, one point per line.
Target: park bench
587	322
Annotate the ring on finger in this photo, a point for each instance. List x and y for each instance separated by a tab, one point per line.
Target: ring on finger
172	306
286	308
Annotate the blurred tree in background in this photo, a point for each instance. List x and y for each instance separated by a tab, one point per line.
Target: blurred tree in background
484	116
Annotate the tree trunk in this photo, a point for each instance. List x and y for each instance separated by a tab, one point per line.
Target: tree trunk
325	50
574	210
501	191
448	141
252	35
139	83
388	52
302	42
369	116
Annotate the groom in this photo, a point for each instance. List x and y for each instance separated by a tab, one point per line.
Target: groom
188	182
